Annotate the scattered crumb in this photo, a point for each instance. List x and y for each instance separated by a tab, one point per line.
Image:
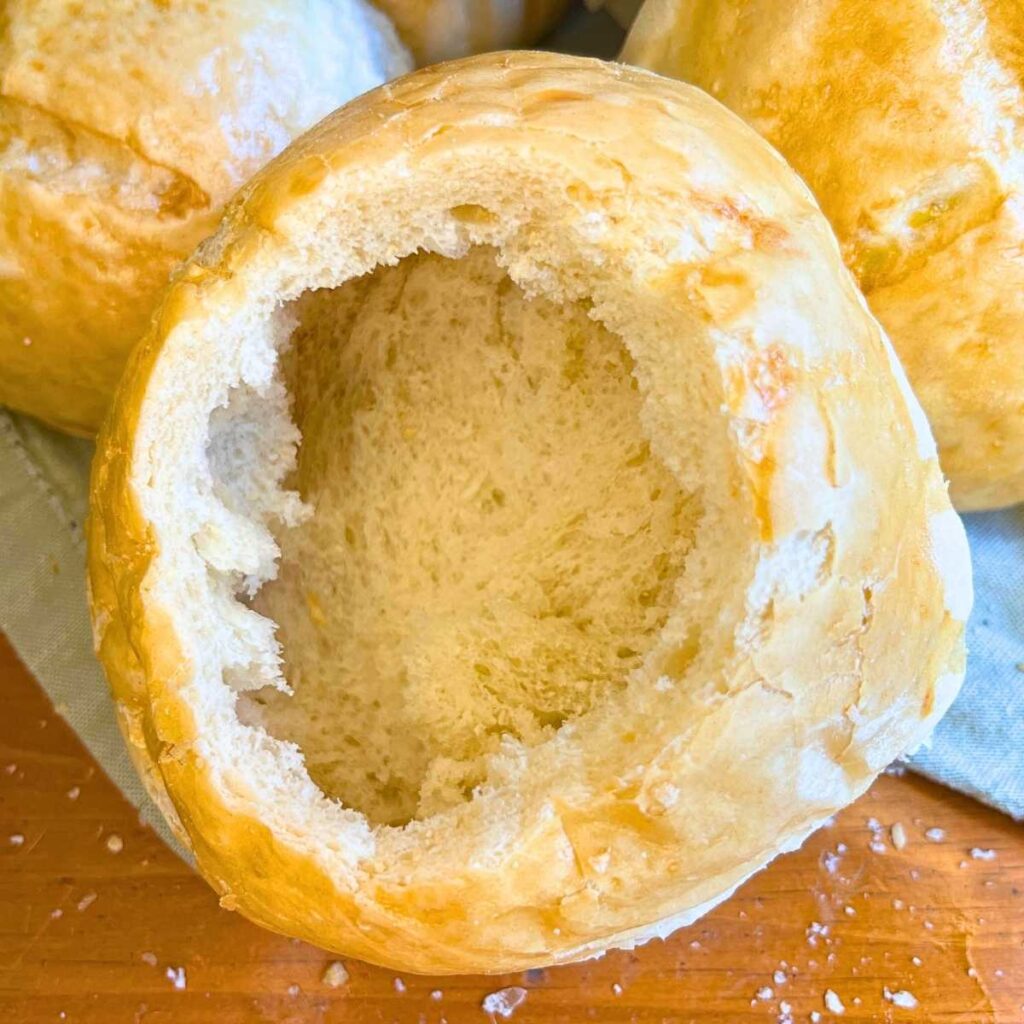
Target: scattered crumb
928	925
176	976
815	1016
833	1003
962	864
56	913
399	985
87	901
856	1000
617	989
877	846
437	995
916	961
849	911
503	1003
764	993
999	972
978	854
905	1000
74	792
971	972
148	958
335	975
17	839
294	990
935	835
779	977
898	904
695	944
816	930
874	824
115	844
898	834
10	769
914	874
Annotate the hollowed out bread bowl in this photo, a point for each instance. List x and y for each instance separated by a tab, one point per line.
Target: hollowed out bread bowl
907	121
125	126
515	530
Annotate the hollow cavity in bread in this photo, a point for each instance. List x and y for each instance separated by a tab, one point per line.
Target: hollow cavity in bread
492	544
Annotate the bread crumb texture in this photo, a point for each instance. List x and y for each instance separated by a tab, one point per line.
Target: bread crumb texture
493	544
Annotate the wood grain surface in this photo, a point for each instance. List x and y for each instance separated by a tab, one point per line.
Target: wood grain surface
99	922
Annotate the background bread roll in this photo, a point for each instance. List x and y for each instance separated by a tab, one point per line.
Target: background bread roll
514	530
907	121
442	29
124	127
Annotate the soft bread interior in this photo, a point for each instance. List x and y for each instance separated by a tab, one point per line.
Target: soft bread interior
493	546
450	529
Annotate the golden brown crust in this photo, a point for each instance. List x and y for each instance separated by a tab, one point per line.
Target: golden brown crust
124	128
822	685
907	120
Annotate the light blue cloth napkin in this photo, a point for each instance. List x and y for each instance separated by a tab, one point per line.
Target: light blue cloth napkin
978	748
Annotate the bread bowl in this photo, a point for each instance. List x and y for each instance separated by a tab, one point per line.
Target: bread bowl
442	29
514	530
907	121
124	128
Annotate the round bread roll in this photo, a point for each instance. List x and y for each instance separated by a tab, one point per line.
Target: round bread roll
907	121
124	128
438	30
514	530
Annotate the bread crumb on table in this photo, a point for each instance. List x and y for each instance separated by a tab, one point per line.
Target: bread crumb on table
979	854
176	976
905	1000
833	1003
898	835
115	844
335	974
503	1003
935	835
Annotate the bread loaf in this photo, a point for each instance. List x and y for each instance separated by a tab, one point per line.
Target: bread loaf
514	529
124	128
907	121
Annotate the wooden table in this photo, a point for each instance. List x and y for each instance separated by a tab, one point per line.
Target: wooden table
99	922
